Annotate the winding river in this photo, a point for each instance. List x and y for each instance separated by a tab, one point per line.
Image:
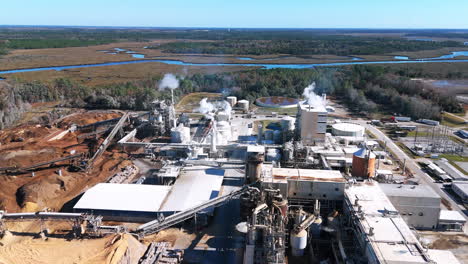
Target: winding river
403	60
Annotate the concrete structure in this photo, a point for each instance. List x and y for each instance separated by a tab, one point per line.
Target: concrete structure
305	184
381	232
461	189
451	221
312	124
348	130
363	164
418	205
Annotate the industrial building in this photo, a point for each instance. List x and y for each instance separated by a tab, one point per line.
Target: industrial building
381	232
460	188
418	205
451	221
143	202
312	124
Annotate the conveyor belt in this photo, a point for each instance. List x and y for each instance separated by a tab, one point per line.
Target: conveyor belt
157	225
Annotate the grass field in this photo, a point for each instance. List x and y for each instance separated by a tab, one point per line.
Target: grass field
452	120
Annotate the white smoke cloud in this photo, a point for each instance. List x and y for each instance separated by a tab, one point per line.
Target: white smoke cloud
312	98
168	82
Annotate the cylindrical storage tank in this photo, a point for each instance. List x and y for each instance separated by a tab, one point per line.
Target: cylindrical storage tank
277	136
243	105
363	164
347	130
273	155
259	133
232	100
269	135
298	243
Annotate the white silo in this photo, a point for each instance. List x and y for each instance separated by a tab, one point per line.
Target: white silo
232	100
298	243
243	105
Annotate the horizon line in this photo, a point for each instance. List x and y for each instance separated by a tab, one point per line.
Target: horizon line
215	27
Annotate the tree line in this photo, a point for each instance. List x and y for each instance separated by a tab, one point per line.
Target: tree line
367	89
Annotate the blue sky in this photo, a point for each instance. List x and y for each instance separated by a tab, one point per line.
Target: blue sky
239	13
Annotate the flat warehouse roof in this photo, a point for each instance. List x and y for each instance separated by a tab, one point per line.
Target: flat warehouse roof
194	186
402	190
124	197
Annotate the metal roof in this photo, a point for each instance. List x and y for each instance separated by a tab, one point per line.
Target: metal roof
194	186
424	191
123	197
446	215
391	241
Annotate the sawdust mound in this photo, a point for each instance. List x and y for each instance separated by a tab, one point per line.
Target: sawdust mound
114	249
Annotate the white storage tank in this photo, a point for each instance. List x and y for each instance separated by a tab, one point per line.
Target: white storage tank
348	130
298	243
232	100
243	105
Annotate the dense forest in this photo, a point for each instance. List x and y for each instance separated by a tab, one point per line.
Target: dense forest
334	45
366	89
225	41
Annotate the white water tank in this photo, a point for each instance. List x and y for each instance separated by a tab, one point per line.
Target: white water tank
243	105
347	130
298	243
232	100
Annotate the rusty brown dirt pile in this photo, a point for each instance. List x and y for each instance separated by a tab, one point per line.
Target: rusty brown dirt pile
26	145
86	118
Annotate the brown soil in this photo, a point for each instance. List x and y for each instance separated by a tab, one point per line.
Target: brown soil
26	145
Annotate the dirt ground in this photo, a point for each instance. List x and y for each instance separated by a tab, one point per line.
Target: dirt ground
457	243
26	145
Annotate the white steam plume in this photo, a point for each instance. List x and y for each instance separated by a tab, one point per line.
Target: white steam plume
312	98
168	82
208	108
205	107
